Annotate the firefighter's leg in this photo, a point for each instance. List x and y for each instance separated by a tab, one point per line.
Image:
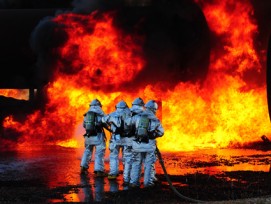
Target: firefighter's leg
136	169
113	160
86	156
148	168
99	157
153	172
127	154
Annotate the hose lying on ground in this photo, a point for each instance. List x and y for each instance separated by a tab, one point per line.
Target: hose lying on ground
170	183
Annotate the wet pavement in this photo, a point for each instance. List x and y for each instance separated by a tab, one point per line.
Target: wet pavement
52	175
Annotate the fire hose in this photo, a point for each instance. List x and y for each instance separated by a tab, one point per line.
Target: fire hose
158	153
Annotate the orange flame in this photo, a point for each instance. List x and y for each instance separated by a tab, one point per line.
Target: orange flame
9	122
228	109
101	55
22	94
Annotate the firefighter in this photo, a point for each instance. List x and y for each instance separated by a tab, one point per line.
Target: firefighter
119	133
137	108
94	137
147	128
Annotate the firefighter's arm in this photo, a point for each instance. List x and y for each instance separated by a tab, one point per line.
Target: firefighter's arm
115	121
104	122
106	126
158	131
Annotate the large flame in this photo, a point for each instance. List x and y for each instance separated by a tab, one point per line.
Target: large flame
97	53
228	109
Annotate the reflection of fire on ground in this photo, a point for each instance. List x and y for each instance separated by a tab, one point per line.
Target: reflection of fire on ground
96	59
215	162
52	175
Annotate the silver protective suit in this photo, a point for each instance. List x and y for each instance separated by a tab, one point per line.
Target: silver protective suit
97	141
118	138
144	153
135	110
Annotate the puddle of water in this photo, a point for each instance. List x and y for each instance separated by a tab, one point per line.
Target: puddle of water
215	161
56	167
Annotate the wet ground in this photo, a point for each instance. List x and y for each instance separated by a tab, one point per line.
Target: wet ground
52	175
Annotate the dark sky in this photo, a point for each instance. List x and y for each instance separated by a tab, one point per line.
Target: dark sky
28	4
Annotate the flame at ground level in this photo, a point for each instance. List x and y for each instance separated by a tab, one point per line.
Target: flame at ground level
193	117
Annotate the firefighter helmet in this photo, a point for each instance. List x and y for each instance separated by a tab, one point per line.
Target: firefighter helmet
138	101
95	102
152	105
122	104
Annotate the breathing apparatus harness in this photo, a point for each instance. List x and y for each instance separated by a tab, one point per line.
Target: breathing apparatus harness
158	153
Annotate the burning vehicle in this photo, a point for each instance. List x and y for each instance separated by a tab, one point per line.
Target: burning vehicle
205	61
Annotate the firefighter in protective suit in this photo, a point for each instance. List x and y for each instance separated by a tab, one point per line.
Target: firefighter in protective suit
147	129
137	108
94	138
119	133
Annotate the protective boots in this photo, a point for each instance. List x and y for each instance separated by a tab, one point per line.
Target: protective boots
112	176
100	174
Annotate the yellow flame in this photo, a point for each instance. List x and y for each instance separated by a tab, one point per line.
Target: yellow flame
72	143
